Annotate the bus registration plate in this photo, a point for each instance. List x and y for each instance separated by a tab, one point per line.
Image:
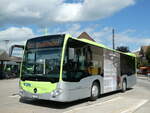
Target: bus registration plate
35	96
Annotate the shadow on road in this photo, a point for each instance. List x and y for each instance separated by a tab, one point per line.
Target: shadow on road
61	105
52	104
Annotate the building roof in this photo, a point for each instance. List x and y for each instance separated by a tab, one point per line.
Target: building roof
84	35
4	56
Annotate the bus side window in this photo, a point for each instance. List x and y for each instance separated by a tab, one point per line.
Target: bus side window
82	60
127	65
95	60
74	62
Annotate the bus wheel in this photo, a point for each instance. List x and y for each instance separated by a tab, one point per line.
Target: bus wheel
94	91
124	85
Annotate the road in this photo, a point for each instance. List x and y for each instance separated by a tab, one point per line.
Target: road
136	100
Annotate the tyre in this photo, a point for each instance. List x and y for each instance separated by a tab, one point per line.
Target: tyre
94	91
124	85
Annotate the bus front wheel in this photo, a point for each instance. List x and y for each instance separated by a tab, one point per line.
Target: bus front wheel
94	91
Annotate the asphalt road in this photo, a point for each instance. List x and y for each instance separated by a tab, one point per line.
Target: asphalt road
135	100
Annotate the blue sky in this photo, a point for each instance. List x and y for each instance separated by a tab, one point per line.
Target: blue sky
21	20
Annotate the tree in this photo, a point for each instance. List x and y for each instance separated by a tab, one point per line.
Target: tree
139	62
123	49
148	54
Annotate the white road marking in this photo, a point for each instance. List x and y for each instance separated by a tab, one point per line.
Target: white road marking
124	108
88	106
133	108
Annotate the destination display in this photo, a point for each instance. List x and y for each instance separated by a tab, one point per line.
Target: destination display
52	42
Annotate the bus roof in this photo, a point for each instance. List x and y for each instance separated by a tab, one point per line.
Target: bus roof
89	42
103	46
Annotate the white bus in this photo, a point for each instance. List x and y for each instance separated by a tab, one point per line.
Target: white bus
62	68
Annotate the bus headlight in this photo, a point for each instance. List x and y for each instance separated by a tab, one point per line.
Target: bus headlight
56	92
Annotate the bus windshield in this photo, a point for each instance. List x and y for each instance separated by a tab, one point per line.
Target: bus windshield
42	58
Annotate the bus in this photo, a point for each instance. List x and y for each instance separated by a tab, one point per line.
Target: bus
64	69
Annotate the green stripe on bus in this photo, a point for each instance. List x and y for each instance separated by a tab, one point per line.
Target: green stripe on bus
63	53
22	61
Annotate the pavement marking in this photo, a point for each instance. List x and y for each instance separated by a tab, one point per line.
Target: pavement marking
92	105
133	108
124	108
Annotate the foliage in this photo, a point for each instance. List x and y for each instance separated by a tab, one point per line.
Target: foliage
145	59
123	49
141	62
148	54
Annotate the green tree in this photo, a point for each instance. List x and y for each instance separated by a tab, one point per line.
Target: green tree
139	62
148	54
123	49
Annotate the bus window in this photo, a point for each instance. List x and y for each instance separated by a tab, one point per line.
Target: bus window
74	63
95	60
127	65
81	60
42	59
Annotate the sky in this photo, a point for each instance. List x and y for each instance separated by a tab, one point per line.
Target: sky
24	19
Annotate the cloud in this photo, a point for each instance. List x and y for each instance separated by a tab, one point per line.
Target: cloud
126	37
15	35
46	12
28	11
102	35
95	9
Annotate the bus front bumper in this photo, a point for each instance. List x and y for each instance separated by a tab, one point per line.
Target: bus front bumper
54	96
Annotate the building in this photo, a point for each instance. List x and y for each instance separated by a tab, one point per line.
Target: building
9	65
84	35
143	64
143	51
3	58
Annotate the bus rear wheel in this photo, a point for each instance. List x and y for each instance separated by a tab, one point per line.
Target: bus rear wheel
94	91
